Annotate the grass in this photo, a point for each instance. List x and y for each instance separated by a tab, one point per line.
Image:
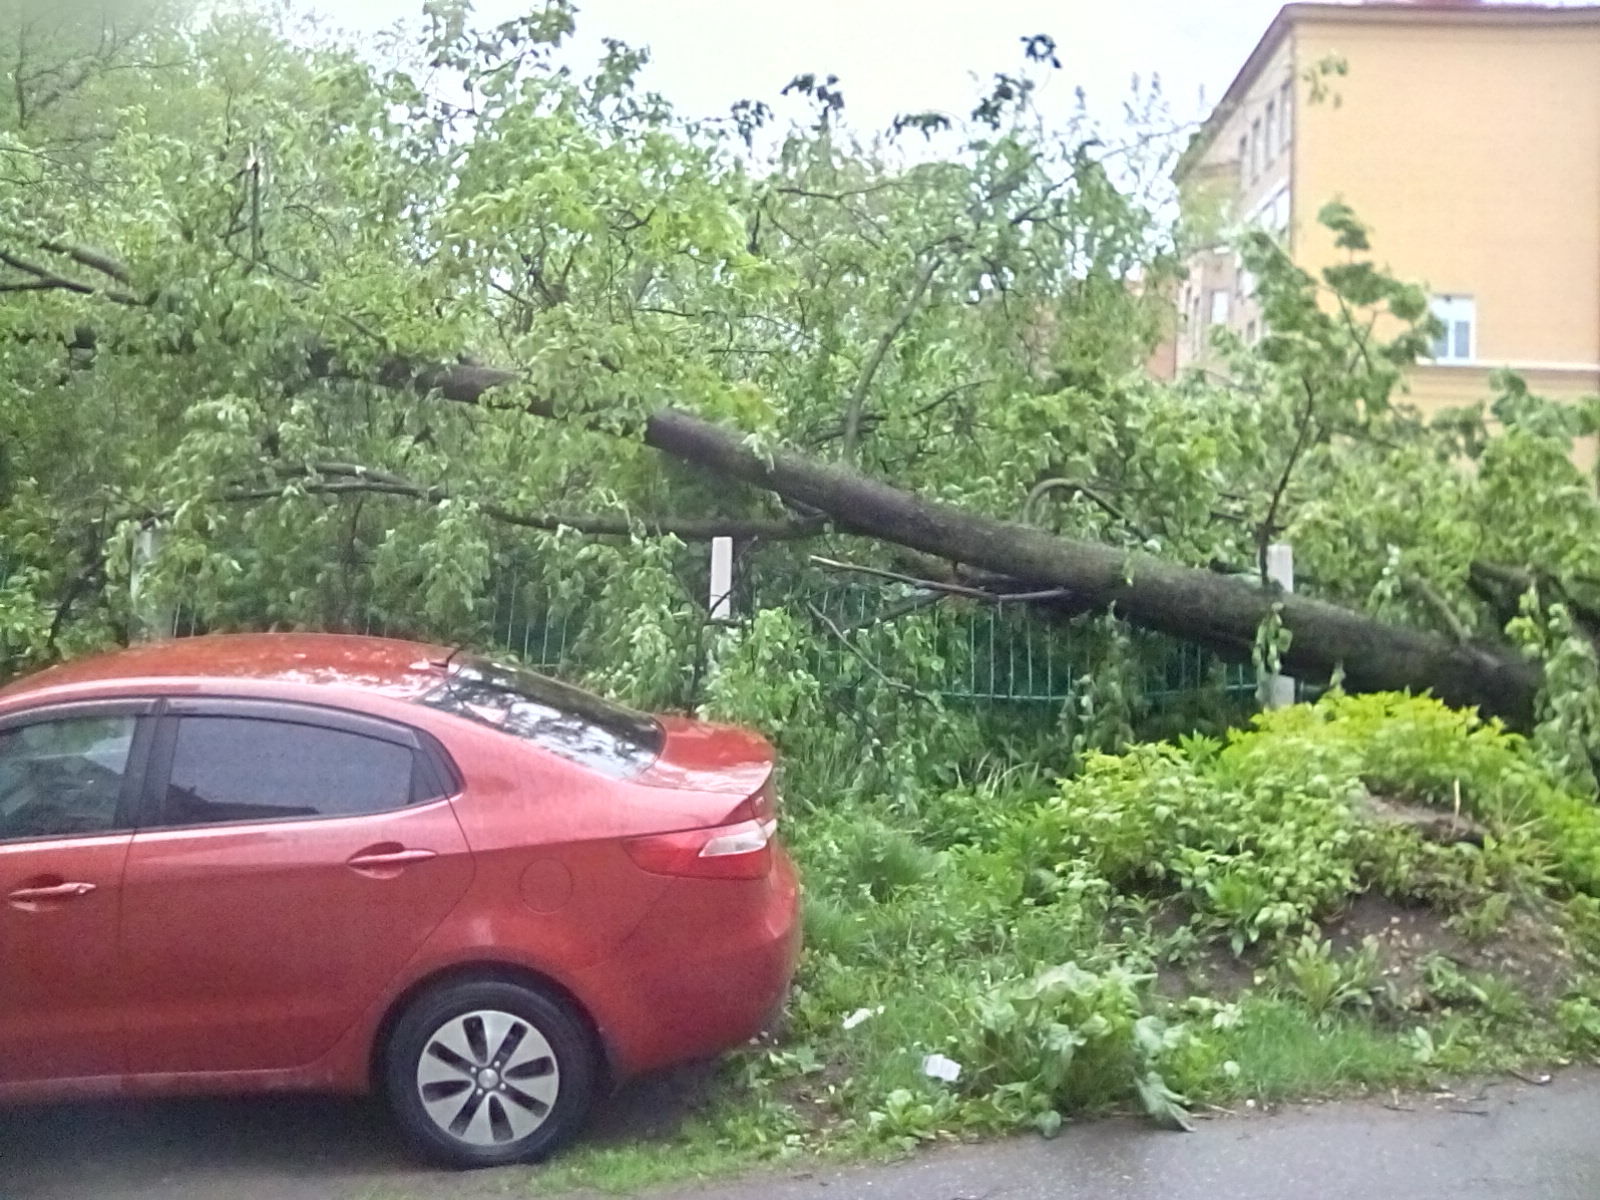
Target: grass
1199	924
1284	1052
697	1152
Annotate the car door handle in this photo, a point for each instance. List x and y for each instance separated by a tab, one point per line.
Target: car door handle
56	891
370	860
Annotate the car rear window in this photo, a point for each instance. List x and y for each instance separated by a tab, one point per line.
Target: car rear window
565	720
245	769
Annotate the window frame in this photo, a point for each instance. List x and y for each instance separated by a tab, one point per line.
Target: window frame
431	764
1447	301
130	799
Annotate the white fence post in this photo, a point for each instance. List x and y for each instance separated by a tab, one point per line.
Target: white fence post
1279	689
151	619
720	601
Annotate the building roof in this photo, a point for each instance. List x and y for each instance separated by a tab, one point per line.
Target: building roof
1409	12
386	665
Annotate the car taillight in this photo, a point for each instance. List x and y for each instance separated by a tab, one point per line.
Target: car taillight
740	851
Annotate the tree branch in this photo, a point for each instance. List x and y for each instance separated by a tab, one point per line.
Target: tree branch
1269	524
844	640
44	279
949	589
1044	487
858	397
95	260
343	479
1439	606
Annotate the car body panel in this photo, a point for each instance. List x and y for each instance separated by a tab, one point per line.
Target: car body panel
254	959
255	946
60	1003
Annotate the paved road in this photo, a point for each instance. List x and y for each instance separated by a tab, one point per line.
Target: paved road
1508	1141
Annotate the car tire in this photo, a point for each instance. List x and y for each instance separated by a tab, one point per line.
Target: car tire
483	1073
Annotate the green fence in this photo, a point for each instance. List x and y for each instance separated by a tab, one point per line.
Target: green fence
985	653
963	651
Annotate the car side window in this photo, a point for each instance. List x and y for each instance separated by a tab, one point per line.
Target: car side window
250	769
64	778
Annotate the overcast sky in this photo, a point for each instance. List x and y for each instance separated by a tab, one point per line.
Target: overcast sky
895	56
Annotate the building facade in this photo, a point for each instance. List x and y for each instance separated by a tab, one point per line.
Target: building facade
1465	135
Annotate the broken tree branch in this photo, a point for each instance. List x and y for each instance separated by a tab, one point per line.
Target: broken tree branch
949	589
1149	592
87	256
344	479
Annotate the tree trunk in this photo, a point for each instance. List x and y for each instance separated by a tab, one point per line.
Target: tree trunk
1184	602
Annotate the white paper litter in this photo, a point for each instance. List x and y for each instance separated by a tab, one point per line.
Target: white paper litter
937	1066
860	1015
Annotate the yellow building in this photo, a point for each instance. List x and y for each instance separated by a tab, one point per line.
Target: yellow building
1465	135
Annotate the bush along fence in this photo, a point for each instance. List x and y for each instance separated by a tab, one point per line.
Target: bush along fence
859	633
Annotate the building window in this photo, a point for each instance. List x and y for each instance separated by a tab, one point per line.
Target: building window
1286	114
1459	316
1221	305
1244	153
1272	214
1255	150
1271	130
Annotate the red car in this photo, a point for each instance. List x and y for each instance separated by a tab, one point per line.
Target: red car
258	863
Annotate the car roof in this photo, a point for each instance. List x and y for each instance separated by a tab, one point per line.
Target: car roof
342	661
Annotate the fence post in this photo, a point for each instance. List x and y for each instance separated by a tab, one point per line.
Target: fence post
1279	689
720	601
151	618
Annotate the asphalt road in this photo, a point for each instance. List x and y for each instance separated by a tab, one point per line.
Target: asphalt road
1503	1141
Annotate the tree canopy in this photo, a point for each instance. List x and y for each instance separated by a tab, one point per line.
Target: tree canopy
244	267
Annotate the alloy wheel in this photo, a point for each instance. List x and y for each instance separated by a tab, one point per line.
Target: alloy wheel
487	1078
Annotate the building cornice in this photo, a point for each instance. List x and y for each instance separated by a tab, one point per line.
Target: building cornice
1375	12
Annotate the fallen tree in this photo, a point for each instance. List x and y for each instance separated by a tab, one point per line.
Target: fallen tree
914	356
1185	602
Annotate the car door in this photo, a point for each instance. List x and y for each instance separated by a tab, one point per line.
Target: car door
69	781
295	858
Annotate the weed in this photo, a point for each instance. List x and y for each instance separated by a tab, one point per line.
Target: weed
1484	919
1324	982
1578	1018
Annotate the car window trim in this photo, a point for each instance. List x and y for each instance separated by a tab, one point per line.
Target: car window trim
425	754
295	712
447	778
135	771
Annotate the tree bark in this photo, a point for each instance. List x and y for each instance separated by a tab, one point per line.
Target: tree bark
1184	602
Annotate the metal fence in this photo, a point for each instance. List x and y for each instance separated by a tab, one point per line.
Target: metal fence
997	654
962	651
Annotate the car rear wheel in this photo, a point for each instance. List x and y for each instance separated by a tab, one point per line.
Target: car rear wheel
484	1073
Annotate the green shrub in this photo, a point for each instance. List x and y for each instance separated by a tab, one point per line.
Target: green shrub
943	911
1066	1040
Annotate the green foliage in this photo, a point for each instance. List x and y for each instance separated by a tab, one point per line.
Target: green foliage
1076	947
758	677
1068	1040
1254	837
1326	982
1579	1019
291	226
